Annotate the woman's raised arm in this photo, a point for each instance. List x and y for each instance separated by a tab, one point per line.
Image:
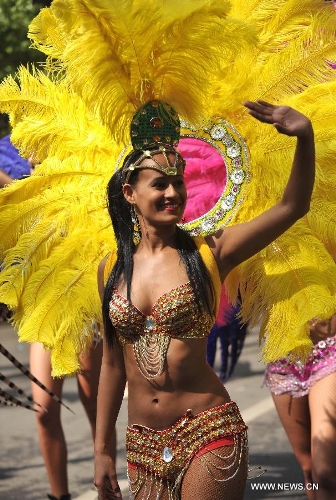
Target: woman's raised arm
235	244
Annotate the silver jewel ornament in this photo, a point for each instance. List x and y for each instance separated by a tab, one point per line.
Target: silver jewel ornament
149	323
167	454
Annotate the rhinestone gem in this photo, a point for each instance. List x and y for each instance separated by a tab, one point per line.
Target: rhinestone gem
217	132
207	225
167	454
156	122
149	323
237	176
227	140
171	170
233	151
229	201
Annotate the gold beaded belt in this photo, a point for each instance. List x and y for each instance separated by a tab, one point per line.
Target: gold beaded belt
166	453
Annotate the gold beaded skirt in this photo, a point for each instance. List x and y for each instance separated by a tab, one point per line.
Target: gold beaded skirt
165	455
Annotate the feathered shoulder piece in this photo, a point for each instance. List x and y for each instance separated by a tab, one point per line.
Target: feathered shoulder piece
107	58
104	60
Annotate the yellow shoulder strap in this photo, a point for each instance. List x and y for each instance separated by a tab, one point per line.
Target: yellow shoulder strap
211	265
111	260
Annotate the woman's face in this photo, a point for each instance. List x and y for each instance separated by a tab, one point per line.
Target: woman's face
159	198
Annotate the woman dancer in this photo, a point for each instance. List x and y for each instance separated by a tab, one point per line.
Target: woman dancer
114	57
304	396
186	438
51	436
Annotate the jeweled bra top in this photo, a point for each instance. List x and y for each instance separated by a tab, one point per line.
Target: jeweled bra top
174	315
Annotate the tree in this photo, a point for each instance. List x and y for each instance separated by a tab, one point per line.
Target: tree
15	17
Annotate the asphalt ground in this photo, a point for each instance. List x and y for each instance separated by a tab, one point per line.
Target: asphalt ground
22	472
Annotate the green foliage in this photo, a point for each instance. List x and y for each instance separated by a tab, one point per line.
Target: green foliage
15	17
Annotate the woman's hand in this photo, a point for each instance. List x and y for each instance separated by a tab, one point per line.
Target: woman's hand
105	478
286	120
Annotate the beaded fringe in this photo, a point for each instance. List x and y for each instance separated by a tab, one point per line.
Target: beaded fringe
149	486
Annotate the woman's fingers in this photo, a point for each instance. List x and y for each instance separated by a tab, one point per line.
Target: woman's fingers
260	107
261	110
113	489
110	490
286	120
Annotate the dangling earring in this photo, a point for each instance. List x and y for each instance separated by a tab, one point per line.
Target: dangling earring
136	227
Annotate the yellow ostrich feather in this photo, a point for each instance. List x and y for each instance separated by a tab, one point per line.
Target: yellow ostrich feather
322	221
296	274
297	60
61	277
295	278
50	120
47	225
279	23
105	58
128	64
18	264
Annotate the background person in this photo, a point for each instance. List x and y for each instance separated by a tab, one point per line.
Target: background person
49	425
229	331
304	396
12	165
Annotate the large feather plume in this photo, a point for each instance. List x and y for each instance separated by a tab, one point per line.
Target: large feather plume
105	58
130	52
293	280
54	226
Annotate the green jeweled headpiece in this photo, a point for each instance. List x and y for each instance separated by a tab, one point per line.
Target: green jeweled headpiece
155	123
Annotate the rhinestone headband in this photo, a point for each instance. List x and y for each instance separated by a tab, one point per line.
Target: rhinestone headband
171	168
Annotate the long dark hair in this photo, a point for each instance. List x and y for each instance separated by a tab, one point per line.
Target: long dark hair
120	213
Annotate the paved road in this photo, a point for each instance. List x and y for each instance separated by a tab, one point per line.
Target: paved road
22	474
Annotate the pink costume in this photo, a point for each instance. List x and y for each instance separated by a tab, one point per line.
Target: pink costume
297	378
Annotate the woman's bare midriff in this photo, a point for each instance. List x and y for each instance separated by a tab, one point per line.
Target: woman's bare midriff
187	382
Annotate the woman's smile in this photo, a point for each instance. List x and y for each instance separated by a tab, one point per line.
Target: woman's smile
171	207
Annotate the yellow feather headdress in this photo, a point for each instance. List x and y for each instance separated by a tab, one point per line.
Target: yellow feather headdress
106	58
